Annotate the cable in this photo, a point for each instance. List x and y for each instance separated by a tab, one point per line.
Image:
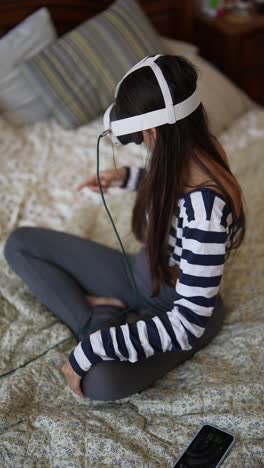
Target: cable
135	289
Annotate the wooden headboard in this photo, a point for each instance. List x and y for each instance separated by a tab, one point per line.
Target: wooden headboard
172	18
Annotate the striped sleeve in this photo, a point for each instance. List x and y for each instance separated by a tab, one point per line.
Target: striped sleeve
203	249
132	178
201	270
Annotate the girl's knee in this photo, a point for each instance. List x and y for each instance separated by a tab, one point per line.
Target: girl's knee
16	240
103	382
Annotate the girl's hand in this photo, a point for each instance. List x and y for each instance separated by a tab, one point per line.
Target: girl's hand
73	379
108	178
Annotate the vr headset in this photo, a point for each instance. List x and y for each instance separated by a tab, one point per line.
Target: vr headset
129	130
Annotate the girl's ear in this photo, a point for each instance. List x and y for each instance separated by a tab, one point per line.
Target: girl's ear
149	137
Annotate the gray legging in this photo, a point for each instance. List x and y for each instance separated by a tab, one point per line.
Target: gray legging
61	269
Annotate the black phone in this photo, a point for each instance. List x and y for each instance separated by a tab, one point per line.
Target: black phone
208	448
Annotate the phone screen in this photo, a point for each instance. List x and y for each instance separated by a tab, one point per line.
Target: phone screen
206	449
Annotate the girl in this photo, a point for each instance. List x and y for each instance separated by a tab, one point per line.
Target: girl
188	214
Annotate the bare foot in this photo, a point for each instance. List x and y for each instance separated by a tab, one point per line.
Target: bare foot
95	300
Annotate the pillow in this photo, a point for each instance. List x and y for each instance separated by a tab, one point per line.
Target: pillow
175	47
77	75
223	100
18	101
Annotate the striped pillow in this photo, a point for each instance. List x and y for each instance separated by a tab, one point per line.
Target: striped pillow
76	76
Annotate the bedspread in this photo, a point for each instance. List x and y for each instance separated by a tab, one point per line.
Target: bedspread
44	424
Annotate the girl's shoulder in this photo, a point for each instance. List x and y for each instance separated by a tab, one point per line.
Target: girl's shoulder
200	182
204	205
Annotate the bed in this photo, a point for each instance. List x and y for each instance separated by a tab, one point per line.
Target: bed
42	422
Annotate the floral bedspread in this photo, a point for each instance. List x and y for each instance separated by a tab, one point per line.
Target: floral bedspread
44	424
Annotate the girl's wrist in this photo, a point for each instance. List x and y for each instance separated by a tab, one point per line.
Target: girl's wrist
122	173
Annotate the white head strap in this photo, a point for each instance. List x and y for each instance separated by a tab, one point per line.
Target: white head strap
169	114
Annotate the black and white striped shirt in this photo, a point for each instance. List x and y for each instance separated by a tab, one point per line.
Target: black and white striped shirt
198	240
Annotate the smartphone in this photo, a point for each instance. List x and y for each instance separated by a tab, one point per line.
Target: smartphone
208	448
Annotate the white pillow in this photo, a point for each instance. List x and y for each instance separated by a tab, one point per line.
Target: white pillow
18	102
175	47
223	100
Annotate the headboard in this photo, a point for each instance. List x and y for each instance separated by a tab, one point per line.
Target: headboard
172	18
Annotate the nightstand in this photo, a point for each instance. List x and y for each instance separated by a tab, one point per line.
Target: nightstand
236	47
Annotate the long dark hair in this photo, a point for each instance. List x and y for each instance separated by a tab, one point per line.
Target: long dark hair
175	145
